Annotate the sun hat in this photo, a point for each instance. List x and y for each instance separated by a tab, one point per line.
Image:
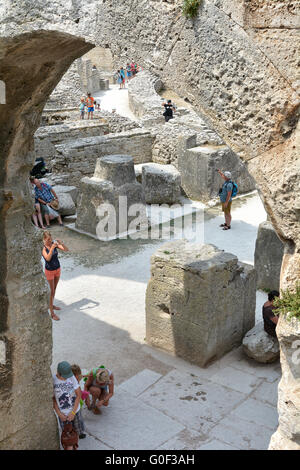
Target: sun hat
54	204
102	376
227	174
64	369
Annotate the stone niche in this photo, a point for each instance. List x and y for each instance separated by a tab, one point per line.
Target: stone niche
198	167
200	301
268	257
113	183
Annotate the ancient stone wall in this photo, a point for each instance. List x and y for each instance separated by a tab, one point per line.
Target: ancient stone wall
77	158
46	137
31	65
221	62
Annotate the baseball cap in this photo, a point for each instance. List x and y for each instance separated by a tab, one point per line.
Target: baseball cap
64	369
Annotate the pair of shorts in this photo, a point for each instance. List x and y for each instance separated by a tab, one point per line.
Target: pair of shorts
91	109
227	209
50	275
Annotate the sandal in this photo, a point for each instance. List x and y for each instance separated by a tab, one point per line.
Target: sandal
55	317
226	227
223	225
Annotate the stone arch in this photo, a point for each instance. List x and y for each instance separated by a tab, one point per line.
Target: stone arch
31	65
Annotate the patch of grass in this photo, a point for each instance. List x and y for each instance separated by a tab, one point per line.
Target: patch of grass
190	8
166	252
289	303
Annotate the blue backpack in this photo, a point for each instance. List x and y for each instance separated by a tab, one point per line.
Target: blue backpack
234	189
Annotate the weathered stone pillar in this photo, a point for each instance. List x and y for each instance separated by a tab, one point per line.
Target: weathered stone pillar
31	64
287	436
110	201
200	301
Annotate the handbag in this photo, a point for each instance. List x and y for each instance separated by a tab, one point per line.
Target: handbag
69	436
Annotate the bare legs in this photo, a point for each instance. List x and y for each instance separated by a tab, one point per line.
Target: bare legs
228	219
99	398
53	284
38	216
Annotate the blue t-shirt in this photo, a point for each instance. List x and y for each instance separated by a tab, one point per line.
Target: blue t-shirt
227	187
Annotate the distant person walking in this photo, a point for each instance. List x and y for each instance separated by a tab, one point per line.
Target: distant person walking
122	73
128	72
225	194
82	108
169	109
270	320
90	105
52	267
119	79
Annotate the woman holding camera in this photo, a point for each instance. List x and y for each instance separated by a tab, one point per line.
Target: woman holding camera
52	267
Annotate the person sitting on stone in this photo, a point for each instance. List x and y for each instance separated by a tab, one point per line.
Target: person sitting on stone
45	195
270	320
100	384
225	198
169	109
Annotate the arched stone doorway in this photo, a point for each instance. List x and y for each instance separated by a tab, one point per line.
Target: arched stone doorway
32	64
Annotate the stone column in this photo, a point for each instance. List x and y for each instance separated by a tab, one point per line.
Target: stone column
31	65
200	301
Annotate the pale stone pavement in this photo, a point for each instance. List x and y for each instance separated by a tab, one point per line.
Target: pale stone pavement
160	401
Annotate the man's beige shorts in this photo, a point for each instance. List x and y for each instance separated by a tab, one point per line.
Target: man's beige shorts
227	209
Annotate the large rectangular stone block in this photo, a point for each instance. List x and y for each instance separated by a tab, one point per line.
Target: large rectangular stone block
200	301
198	168
268	257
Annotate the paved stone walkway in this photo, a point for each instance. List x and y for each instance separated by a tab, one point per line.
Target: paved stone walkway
160	402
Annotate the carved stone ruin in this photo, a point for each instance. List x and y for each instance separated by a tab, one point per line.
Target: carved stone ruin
113	183
200	301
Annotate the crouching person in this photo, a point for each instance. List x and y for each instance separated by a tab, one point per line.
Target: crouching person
66	399
100	384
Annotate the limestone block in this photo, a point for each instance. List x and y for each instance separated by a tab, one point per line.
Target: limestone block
260	346
161	183
118	169
120	190
199	301
198	167
71	190
268	257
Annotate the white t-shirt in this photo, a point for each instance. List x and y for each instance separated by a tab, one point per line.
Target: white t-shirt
64	391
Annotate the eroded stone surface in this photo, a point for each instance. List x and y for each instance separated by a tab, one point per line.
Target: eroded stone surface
260	346
199	302
161	184
268	257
